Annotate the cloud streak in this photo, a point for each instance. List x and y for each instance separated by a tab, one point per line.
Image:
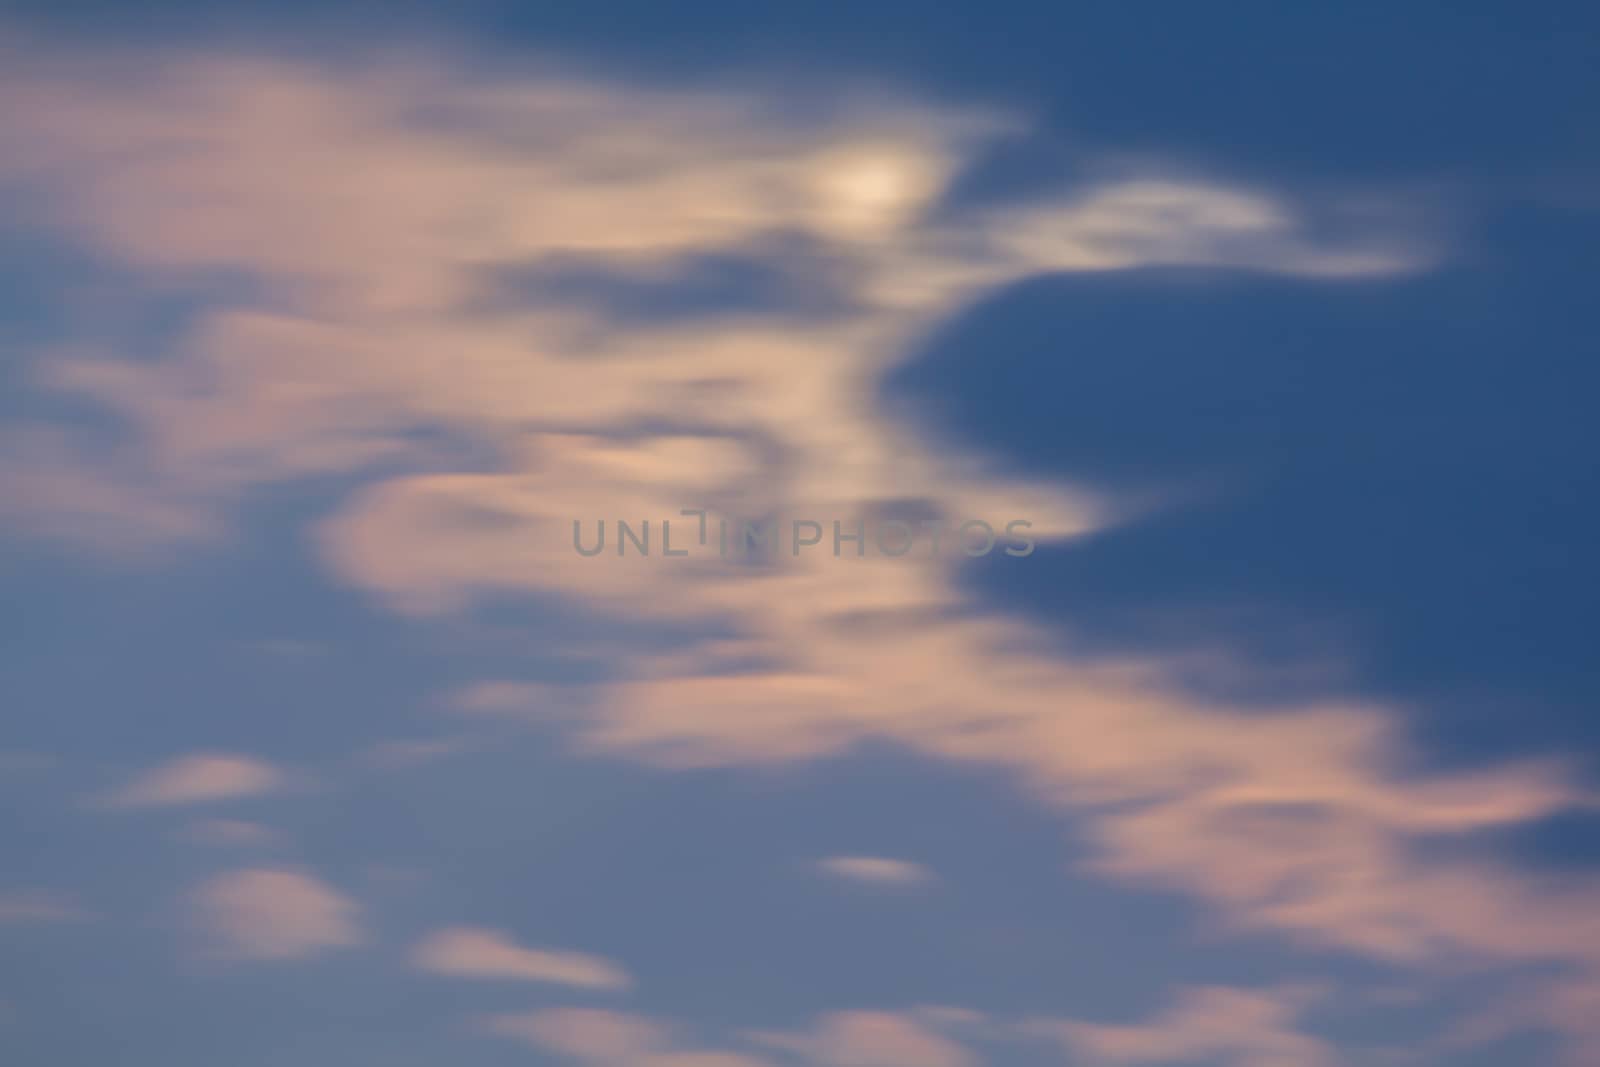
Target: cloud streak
26	907
469	952
1236	1027
876	870
872	1039
585	1035
198	779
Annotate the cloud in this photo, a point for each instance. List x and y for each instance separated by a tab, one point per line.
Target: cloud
197	779
610	1038
585	1034
1235	1027
501	697
368	232
872	1039
466	952
52	489
840	1039
30	906
702	1058
370	274
272	914
1569	1005
876	870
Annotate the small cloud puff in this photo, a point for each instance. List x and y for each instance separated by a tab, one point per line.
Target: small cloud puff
871	1039
610	1038
468	952
272	914
876	870
198	778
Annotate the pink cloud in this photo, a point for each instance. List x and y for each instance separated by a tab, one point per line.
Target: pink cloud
199	778
272	914
1236	1027
872	1039
876	870
368	230
466	952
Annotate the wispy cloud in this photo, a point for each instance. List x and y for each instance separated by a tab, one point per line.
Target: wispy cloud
30	906
611	1038
372	232
272	914
839	1039
876	870
510	698
411	752
196	779
469	952
585	1033
872	1039
1236	1027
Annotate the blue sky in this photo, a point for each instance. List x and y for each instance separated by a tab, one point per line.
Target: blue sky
322	745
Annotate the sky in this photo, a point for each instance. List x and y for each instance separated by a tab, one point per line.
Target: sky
1257	731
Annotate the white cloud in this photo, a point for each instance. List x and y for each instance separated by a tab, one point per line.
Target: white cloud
467	952
272	914
877	870
199	778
